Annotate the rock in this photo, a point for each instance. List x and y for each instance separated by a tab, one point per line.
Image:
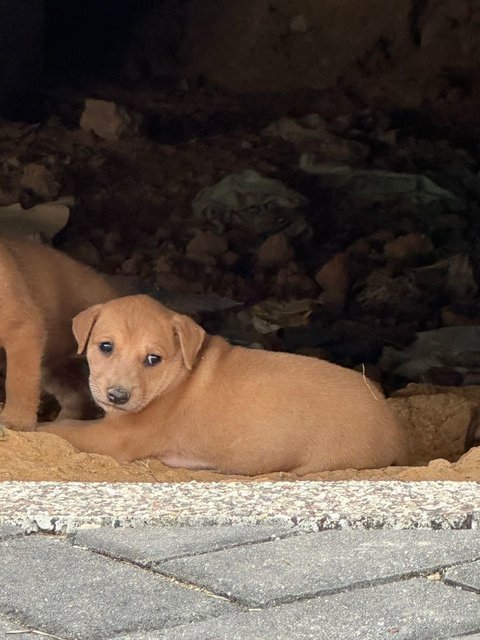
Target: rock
229	259
206	243
275	251
382	236
382	293
111	241
270	315
108	120
456	271
333	277
38	184
408	246
161	265
461	283
46	219
387	137
360	247
437	425
311	134
162	234
130	266
249	200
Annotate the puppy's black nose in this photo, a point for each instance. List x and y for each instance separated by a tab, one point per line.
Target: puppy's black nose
118	395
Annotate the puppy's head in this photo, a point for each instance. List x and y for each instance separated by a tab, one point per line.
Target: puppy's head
136	350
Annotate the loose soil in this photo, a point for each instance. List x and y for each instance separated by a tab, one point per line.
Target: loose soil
436	420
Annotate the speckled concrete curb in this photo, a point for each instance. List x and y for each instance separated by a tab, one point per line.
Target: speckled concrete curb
64	507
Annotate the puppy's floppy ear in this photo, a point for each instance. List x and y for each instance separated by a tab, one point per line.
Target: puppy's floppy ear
191	337
82	325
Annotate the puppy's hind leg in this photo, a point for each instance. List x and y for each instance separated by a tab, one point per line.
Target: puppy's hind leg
23	343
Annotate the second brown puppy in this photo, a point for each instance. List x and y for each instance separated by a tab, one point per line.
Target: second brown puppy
41	291
192	400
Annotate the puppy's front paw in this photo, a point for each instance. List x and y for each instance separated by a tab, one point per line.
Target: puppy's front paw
3	432
17	421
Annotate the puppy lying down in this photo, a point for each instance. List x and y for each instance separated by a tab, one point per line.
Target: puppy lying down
192	400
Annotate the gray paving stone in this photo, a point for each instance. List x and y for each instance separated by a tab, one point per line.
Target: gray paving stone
12	631
50	585
148	545
274	572
467	575
8	531
416	609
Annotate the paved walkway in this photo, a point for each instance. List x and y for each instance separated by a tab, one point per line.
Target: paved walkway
220	572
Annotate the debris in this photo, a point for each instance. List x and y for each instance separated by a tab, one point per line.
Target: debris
457	348
408	246
276	250
417	193
45	219
311	134
457	272
38	184
333	277
437	423
206	242
270	315
386	294
108	120
247	199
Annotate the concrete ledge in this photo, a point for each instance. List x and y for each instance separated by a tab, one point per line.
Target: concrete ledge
65	507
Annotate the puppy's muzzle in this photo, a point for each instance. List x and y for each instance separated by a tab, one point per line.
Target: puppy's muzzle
118	395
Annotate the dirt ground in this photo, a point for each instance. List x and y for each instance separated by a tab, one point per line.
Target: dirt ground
436	420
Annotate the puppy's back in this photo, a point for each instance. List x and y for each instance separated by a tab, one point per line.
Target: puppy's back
339	419
58	286
55	279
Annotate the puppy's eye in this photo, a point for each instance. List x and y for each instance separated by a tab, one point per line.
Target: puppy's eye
106	347
152	359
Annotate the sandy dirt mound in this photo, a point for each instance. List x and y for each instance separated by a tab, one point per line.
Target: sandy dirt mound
437	421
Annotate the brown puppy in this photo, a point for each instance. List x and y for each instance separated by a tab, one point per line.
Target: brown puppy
192	400
41	291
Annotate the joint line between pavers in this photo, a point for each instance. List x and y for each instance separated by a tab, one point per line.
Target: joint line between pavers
464	587
236	545
355	586
243	606
149	566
